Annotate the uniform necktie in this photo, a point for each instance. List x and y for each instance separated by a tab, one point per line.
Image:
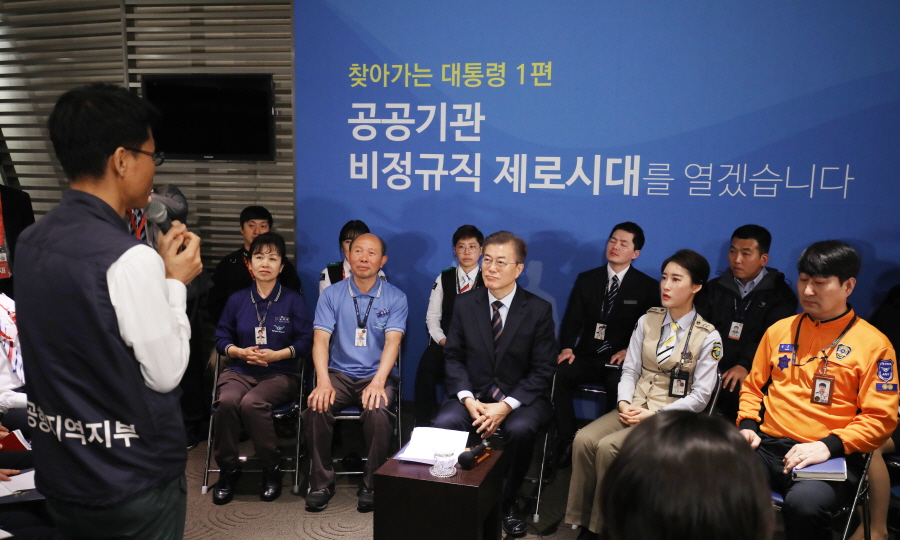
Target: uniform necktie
465	287
664	351
611	296
496	322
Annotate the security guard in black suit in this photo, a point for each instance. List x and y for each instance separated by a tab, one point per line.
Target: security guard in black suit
604	306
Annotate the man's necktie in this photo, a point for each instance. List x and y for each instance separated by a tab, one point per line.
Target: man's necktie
496	323
611	295
664	351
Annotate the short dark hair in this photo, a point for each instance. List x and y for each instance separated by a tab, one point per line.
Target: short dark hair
696	265
695	474
633	228
754	232
829	258
505	237
255	212
272	239
351	230
468	231
383	245
90	122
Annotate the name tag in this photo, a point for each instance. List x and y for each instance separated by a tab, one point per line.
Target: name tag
361	334
261	335
600	332
736	329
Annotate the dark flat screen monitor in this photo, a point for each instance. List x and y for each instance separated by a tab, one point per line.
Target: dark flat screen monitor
213	117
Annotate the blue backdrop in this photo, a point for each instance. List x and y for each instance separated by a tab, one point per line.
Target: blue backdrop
556	120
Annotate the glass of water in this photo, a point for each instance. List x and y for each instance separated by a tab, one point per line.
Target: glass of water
444	463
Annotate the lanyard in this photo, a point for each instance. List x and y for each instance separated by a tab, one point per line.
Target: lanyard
361	323
247	264
833	345
262	320
744	312
138	228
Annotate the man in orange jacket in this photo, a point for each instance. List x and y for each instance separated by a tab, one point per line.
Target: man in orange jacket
827	346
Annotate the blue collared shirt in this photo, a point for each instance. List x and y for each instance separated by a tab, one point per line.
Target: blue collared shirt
336	314
748	288
287	323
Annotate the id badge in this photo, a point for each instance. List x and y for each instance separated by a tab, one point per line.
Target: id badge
678	384
823	389
4	263
261	335
600	332
736	329
360	337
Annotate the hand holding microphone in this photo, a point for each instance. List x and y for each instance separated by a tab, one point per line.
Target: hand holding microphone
180	251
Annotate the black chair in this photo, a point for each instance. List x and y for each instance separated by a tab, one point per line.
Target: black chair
284	413
860	498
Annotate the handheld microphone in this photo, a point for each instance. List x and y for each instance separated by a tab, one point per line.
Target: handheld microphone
469	458
159	214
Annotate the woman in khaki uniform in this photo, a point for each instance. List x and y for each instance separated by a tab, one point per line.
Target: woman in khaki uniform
670	365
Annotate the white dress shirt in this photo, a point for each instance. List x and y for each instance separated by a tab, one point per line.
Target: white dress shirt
150	310
10	359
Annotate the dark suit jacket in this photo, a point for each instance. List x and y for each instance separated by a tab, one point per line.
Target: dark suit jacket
17	214
638	292
526	358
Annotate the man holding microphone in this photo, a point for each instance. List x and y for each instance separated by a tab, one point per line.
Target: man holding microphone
103	327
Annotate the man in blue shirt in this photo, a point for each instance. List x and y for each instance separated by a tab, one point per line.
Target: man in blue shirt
359	324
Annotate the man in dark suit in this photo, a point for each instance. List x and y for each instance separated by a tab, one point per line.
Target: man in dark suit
17	214
604	306
500	353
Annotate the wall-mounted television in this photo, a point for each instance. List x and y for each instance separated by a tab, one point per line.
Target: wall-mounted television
213	117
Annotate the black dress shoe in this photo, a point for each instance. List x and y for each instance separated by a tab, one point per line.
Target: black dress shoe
586	534
513	522
271	483
223	490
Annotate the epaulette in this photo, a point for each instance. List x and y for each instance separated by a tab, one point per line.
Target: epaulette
657	310
704	326
332	265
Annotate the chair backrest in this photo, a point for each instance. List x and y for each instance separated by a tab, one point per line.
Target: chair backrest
714	398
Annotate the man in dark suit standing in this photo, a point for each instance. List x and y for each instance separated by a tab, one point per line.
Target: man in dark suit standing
500	354
604	306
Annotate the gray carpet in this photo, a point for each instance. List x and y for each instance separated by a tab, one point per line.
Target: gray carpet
247	517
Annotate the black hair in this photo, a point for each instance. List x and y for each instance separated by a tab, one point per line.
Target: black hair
633	228
695	474
468	231
255	212
829	258
90	122
351	230
265	240
754	232
383	245
504	237
696	265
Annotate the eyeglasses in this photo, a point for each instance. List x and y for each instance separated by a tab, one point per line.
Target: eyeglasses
487	262
158	157
463	249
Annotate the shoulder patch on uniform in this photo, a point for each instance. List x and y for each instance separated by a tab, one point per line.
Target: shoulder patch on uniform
886	370
332	265
843	351
717	351
656	310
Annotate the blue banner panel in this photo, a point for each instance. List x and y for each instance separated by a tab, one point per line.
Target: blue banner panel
557	120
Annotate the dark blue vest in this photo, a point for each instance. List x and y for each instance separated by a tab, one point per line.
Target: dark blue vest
86	393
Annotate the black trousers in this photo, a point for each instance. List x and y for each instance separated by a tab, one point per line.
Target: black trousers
810	505
584	370
520	430
429	373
